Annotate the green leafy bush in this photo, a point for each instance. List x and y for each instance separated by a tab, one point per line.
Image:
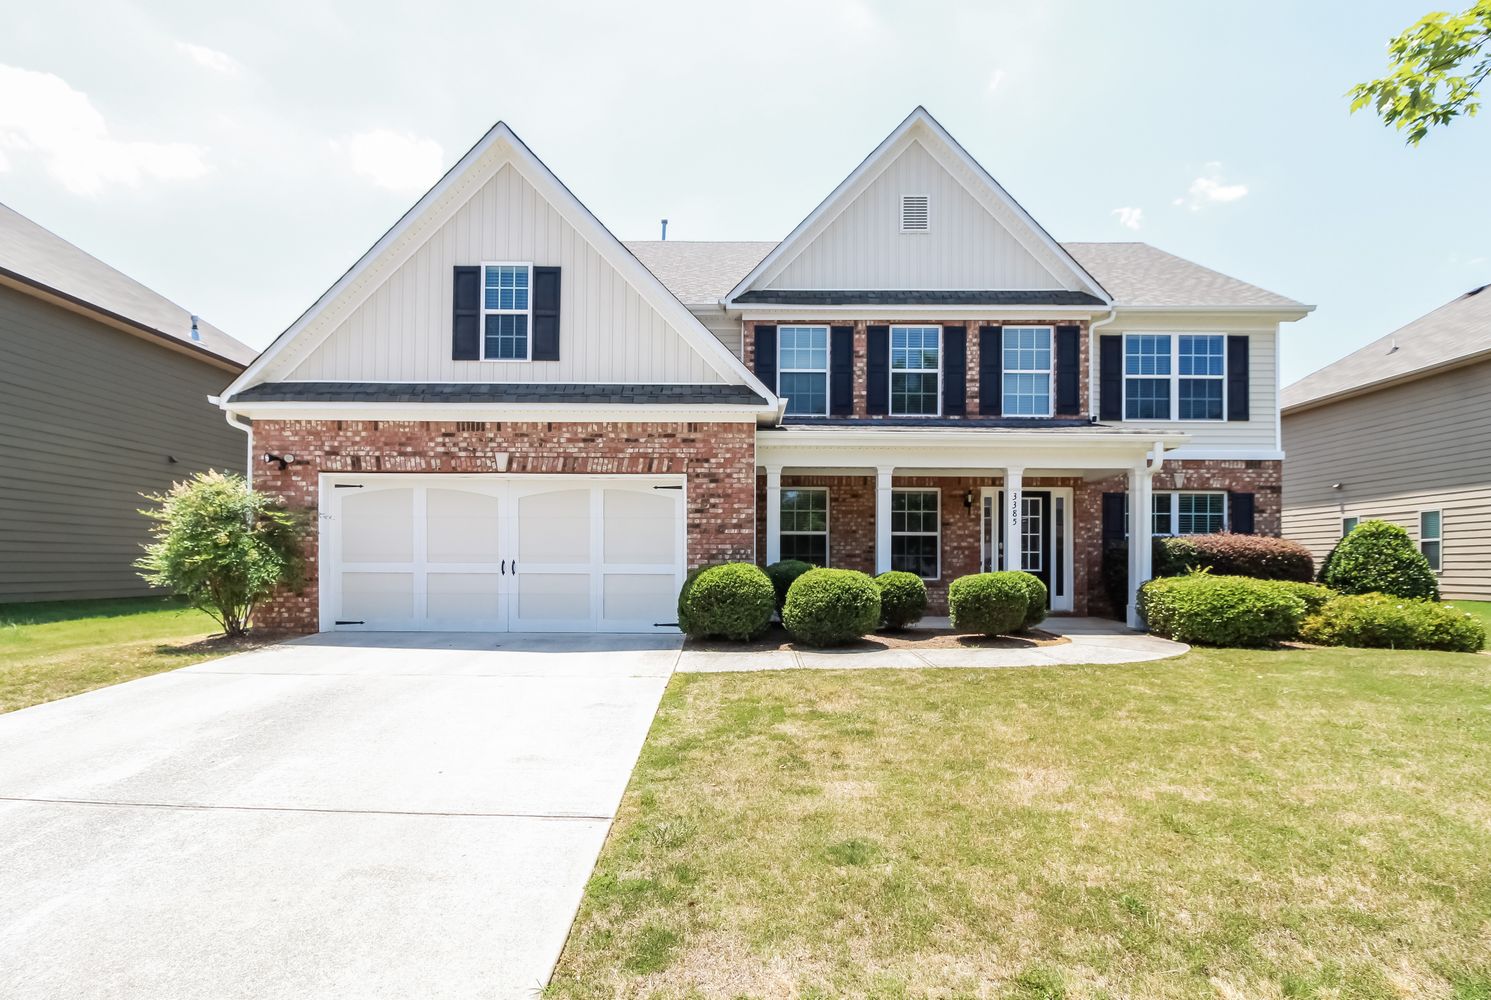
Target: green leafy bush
1381	621
903	598
1313	594
782	574
1036	597
1378	557
988	603
221	546
826	607
1262	557
734	601
1210	610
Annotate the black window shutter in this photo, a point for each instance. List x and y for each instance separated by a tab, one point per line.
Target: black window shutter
1237	378
465	325
954	371
1069	370
877	369
546	314
1240	506
766	356
1115	524
990	372
1110	378
841	371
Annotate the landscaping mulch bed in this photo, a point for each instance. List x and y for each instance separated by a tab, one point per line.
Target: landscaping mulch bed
912	638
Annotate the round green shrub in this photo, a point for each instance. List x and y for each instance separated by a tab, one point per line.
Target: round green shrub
826	607
1212	610
734	601
988	603
1036	597
1263	557
1378	557
903	598
782	574
1383	622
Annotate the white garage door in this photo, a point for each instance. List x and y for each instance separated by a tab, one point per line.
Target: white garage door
496	553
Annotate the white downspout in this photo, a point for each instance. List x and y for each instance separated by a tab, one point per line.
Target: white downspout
1092	360
234	421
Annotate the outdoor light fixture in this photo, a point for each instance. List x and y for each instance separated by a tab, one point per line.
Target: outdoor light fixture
968	499
283	460
1337	486
1180	480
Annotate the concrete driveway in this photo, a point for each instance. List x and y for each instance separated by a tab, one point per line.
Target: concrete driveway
364	816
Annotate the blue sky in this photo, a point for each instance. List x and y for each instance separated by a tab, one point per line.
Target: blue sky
238	159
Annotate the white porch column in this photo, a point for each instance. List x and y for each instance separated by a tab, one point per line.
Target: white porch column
1014	551
1141	525
882	517
773	514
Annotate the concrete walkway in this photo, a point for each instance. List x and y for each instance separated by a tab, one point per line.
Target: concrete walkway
1093	640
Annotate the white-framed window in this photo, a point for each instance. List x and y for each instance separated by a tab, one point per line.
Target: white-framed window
1431	537
506	311
916	532
804	529
802	369
1026	389
1348	525
1188	513
916	371
916	213
1174	376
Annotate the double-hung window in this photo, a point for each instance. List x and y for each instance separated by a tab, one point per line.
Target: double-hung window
915	534
1188	513
506	310
802	369
1027	371
915	370
1174	376
1348	525
804	528
1431	537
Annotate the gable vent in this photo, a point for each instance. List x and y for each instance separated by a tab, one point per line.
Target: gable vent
914	214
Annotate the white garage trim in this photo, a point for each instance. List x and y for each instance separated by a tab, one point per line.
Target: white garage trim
537	553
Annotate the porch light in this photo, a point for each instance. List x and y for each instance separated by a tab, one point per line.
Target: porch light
968	499
1180	479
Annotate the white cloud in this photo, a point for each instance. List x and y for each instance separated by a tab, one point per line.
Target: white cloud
995	80
1130	217
42	116
398	161
218	62
1210	189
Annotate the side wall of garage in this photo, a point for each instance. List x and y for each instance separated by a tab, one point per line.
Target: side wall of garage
718	459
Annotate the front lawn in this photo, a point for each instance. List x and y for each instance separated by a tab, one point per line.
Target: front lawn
1226	824
1481	609
55	649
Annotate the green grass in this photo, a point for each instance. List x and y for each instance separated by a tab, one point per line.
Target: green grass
1481	609
55	649
1227	824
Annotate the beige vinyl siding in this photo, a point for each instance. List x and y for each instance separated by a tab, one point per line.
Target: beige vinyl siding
1260	431
1421	445
608	332
726	329
88	418
864	248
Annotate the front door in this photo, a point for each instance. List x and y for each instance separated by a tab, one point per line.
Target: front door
1043	535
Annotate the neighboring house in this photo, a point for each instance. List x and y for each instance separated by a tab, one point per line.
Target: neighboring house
103	396
505	420
1401	431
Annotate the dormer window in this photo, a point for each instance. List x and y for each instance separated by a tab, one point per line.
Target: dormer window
506	311
915	213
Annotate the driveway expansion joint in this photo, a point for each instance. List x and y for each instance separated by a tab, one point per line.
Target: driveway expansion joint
125	804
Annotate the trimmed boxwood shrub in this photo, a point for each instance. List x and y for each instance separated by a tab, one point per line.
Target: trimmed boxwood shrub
1036	597
733	601
1262	557
1384	622
782	574
1313	594
988	603
826	607
1210	610
903	598
1378	557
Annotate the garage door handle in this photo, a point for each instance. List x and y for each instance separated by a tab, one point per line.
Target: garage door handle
504	567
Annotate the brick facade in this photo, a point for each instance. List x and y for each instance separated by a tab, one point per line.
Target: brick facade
718	459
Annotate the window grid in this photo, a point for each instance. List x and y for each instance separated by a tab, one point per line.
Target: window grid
506	309
1175	513
1175	377
802	369
1027	371
1348	525
915	370
1032	554
915	533
804	526
1431	537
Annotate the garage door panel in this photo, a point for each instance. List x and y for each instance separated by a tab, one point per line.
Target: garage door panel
459	599
375	525
552	597
554	526
634	597
378	597
640	526
462	526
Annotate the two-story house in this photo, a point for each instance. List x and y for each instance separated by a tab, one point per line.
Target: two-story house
506	418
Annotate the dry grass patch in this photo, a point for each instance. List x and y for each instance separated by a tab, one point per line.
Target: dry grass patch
1259	824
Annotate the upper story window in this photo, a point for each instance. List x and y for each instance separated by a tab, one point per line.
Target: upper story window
915	370
916	214
802	369
1027	371
506	310
1174	376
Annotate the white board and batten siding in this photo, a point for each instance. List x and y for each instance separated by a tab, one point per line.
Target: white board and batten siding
402	331
1399	451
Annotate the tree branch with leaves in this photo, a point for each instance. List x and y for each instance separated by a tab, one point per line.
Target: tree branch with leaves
1435	72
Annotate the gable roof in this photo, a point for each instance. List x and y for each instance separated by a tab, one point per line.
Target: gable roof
1456	333
499	147
43	262
921	126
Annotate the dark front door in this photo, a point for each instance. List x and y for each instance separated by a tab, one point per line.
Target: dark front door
1037	555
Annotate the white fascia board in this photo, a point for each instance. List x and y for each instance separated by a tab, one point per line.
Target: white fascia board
620	413
764	311
948	448
1207	453
1272	313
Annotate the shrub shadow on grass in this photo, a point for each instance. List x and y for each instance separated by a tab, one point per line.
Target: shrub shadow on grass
909	638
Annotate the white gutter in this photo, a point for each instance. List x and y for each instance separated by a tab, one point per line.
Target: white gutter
1092	360
233	421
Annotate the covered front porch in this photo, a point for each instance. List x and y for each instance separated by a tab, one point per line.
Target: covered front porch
944	503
